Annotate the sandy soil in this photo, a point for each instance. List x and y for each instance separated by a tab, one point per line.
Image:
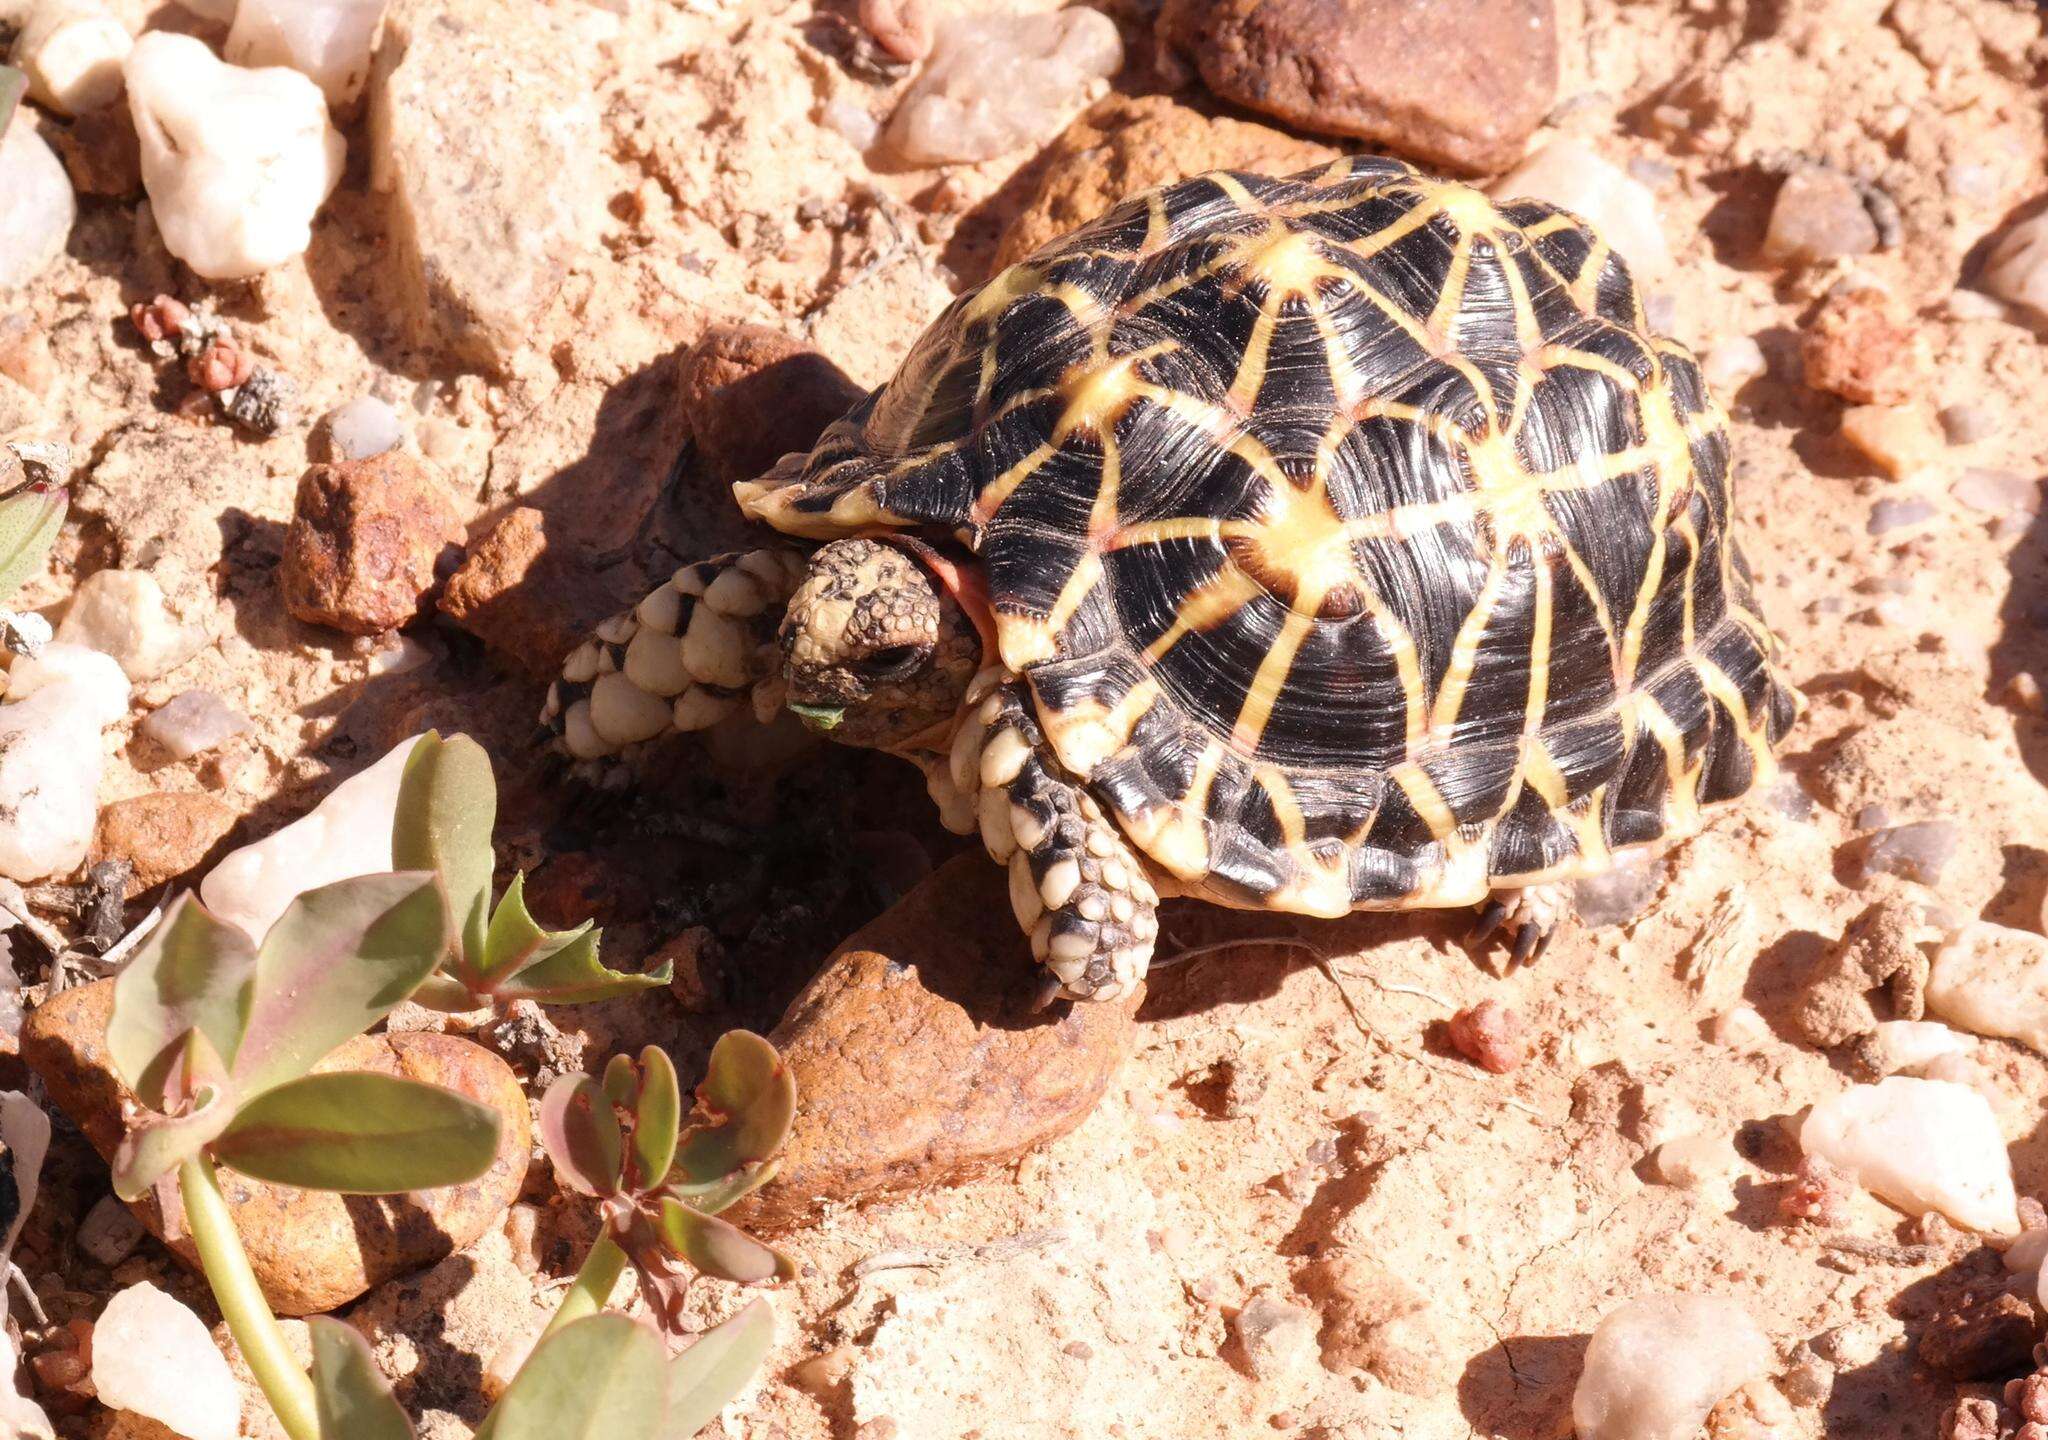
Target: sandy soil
1519	1205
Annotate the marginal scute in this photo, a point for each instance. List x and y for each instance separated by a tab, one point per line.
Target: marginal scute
1358	542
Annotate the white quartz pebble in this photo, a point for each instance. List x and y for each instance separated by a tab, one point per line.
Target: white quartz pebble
347	834
236	162
1573	176
50	757
20	1417
151	1356
71	51
1733	363
2017	268
364	427
328	41
996	83
193	723
123	613
1741	1028
1919	1145
1660	1363
1907	1046
37	206
1991	980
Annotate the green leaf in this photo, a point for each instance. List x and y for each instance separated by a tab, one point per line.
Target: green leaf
621	1082
581	1135
706	1378
727	1190
447	806
361	1134
604	1377
29	521
155	1145
194	972
351	1399
749	1097
514	937
656	1114
566	971
12	85
335	963
718	1247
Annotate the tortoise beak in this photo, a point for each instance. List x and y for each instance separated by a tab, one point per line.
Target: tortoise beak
818	717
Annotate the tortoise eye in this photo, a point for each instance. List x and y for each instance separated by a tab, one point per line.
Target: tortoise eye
893	663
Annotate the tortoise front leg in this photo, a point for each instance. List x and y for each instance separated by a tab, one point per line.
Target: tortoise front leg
696	650
1079	891
1529	916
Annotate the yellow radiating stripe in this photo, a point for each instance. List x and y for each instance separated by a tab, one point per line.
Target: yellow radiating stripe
1539	650
1427	800
1160	532
998	490
1450	695
1228	591
1251	366
1266	685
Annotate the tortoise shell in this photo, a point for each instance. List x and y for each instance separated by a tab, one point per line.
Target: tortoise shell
1361	545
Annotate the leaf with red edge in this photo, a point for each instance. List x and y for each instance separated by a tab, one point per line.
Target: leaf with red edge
361	1133
340	959
718	1247
194	972
582	1135
708	1376
750	1099
155	1145
657	1111
726	1191
350	1398
447	806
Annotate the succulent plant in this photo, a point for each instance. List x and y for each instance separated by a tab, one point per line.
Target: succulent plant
447	805
660	1187
29	515
12	84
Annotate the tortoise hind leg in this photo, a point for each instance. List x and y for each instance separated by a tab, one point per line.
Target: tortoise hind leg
696	650
1527	916
1079	891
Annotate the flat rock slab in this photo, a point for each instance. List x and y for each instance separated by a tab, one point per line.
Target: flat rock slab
918	1059
490	147
1454	84
311	1250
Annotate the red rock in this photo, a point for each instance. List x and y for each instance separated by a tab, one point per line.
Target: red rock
1862	346
311	1250
1982	1337
752	395
1455	84
918	1060
528	602
1491	1036
367	542
163	836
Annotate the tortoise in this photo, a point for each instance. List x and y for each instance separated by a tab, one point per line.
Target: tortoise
1343	540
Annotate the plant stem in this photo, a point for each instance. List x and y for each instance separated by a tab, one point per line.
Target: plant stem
241	1301
592	1285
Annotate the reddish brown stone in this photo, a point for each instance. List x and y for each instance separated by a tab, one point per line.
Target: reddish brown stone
366	543
1455	84
1862	346
311	1250
1124	145
917	1057
162	836
1983	1337
1491	1036
529	602
752	395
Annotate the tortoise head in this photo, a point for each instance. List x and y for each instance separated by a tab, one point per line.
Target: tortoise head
876	651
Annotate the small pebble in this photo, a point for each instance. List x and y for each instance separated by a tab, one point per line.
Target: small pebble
152	1356
37	206
1690	1162
1998	492
1993	980
1899	439
1660	1363
1742	1028
364	427
2017	268
124	614
1574	176
1871	817
1966	424
851	122
236	162
1733	363
903	28
109	1232
1918	851
1888	515
49	778
328	41
71	51
996	83
1278	1339
193	723
1903	1047
1818	216
1619	895
1919	1145
1818	1194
